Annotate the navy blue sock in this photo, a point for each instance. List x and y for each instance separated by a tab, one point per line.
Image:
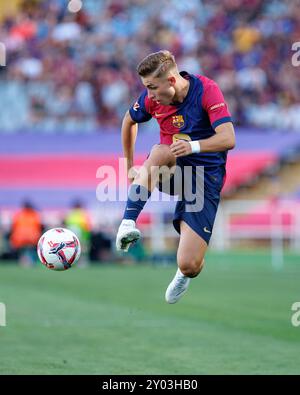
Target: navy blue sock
137	198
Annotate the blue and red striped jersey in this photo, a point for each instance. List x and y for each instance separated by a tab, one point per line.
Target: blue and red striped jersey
201	111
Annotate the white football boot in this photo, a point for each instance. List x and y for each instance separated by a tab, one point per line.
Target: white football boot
127	235
177	287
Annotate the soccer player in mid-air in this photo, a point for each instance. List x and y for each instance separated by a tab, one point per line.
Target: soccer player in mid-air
196	131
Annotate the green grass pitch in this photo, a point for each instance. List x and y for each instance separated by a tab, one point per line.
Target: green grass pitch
112	319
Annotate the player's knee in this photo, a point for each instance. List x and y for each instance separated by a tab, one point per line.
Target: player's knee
160	155
190	267
159	163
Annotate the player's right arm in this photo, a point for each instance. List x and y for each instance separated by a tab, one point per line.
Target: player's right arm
128	134
139	112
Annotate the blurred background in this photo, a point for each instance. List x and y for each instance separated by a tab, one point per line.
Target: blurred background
69	76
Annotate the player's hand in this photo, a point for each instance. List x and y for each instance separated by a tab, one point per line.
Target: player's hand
181	148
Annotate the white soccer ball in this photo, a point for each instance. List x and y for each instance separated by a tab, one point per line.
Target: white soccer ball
58	249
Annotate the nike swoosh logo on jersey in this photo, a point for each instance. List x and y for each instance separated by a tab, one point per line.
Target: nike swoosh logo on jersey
206	230
158	115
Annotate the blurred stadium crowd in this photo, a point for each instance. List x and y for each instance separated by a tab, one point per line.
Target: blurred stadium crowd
76	71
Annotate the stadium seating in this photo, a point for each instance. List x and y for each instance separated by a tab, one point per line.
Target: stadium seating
88	85
274	216
53	172
244	167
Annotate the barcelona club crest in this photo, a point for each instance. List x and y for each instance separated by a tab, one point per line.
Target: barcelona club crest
178	121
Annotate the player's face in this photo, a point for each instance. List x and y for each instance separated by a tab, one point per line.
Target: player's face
160	89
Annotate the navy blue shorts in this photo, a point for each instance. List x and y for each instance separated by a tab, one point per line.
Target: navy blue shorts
198	197
201	222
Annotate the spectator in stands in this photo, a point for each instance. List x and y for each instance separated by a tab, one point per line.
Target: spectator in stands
244	45
25	233
96	245
100	247
78	221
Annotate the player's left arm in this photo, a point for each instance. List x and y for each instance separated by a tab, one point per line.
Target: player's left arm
224	138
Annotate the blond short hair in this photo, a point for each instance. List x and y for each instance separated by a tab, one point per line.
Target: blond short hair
157	63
